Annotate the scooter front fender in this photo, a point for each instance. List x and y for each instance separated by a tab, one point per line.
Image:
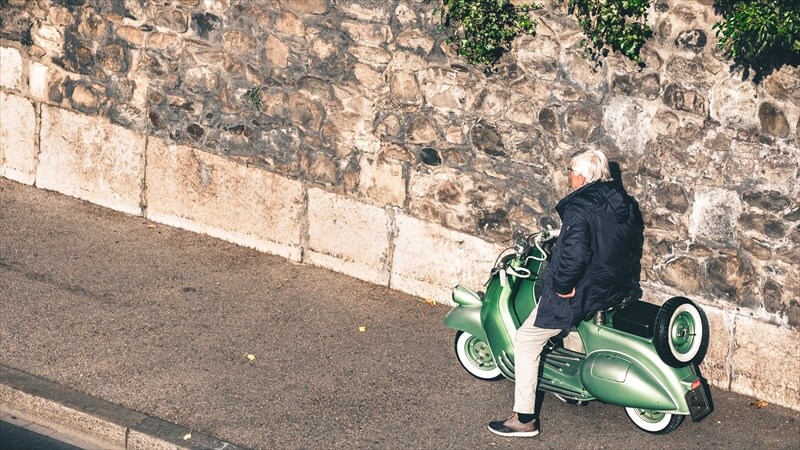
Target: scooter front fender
468	319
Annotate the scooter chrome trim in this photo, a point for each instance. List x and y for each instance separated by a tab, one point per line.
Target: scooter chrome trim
506	365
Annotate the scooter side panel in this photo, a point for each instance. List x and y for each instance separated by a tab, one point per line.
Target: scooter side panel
616	380
466	318
632	374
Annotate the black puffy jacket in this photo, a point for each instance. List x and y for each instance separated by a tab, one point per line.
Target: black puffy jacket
598	253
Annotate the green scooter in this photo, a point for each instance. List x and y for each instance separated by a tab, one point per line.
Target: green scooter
635	354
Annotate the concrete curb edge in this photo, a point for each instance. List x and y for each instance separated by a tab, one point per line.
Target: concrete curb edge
63	409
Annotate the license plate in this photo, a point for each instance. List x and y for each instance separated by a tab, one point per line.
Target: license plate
699	401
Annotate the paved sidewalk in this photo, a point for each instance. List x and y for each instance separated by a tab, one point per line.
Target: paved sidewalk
118	323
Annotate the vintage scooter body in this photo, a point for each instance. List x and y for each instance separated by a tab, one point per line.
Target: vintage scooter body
636	355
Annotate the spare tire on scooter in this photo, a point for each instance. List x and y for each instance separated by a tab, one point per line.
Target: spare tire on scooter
680	333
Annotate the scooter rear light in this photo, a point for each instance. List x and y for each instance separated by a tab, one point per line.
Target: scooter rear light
696	384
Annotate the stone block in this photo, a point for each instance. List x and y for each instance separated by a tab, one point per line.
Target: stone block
405	15
680	98
209	194
429	260
17	138
734	103
382	181
378	13
307	6
404	87
372	56
765	362
415	40
37	81
538	59
48	37
91	159
277	52
10	68
289	23
628	122
371	34
682	273
714	214
348	236
715	366
442	195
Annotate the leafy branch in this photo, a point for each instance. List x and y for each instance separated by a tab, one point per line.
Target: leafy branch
482	30
618	25
760	34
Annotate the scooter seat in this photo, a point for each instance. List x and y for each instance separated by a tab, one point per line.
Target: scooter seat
637	318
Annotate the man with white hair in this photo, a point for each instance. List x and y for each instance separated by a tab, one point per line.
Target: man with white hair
595	264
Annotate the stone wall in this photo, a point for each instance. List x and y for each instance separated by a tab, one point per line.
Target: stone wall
349	135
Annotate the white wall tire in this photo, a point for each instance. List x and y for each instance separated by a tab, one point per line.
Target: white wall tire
681	333
685	356
654	422
476	357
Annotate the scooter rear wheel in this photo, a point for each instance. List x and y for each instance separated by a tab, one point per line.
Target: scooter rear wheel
476	357
654	422
681	332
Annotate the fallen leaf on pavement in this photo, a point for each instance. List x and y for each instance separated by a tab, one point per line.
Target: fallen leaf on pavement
760	404
431	302
251	357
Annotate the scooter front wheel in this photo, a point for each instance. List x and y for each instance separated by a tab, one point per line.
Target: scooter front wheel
476	357
654	422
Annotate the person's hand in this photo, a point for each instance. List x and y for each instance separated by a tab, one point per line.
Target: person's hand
570	295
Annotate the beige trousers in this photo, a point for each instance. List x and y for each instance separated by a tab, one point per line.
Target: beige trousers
527	351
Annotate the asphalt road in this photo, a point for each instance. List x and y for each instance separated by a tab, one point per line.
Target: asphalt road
161	321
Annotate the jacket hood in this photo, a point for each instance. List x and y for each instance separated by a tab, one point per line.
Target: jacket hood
607	199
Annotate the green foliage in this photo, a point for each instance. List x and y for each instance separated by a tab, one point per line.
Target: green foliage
26	39
254	94
615	24
482	30
761	34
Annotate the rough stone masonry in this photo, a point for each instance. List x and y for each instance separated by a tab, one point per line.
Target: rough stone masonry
349	135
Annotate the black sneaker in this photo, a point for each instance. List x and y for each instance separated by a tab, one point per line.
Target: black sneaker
513	427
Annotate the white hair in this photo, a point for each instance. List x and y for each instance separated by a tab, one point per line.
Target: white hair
591	164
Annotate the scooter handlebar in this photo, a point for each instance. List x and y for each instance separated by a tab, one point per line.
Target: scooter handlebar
524	243
545	235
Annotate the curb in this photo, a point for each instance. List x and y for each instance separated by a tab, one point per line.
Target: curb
108	425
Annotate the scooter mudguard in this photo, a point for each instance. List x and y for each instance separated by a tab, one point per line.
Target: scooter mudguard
466	318
631	374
